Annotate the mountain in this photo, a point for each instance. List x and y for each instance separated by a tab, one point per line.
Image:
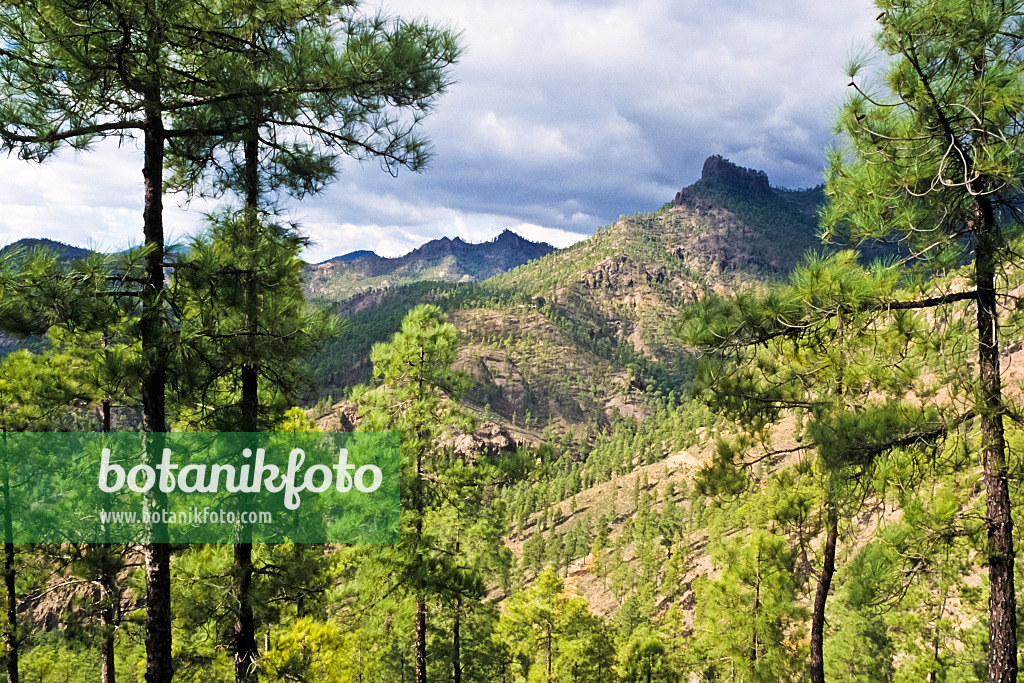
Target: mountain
739	222
582	335
353	255
445	259
626	283
67	252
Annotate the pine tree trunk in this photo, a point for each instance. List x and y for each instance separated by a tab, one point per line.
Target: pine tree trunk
10	573
421	607
548	657
246	651
757	608
159	662
108	582
828	570
245	624
421	639
158	613
108	579
456	644
11	644
1002	626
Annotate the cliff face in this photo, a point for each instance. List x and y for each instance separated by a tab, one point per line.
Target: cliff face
721	174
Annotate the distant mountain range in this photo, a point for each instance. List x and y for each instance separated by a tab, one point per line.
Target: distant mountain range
604	305
445	259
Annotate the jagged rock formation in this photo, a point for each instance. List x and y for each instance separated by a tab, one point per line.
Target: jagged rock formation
489	440
621	271
721	175
720	171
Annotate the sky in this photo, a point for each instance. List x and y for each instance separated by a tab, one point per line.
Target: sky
564	115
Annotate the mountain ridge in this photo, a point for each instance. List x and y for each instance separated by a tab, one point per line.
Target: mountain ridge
584	333
68	252
445	259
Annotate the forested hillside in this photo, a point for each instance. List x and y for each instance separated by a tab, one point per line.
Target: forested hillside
595	319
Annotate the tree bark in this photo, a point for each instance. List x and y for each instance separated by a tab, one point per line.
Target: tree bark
1002	626
11	642
159	662
828	571
108	583
10	573
245	624
420	654
421	639
757	608
548	657
456	642
246	651
108	616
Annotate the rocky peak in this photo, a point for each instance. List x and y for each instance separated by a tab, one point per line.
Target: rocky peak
509	237
719	171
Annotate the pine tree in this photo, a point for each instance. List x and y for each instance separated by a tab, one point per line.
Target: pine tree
415	398
644	659
749	615
817	345
933	160
128	66
543	623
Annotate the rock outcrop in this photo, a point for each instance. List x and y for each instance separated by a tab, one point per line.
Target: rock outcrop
720	173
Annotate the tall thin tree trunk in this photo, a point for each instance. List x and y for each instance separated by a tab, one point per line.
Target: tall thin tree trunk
936	664
456	632
10	573
246	651
108	584
757	608
108	581
420	654
1002	625
828	570
456	642
159	662
421	606
548	657
421	638
245	629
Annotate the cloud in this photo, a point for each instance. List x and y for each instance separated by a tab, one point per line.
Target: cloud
564	115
